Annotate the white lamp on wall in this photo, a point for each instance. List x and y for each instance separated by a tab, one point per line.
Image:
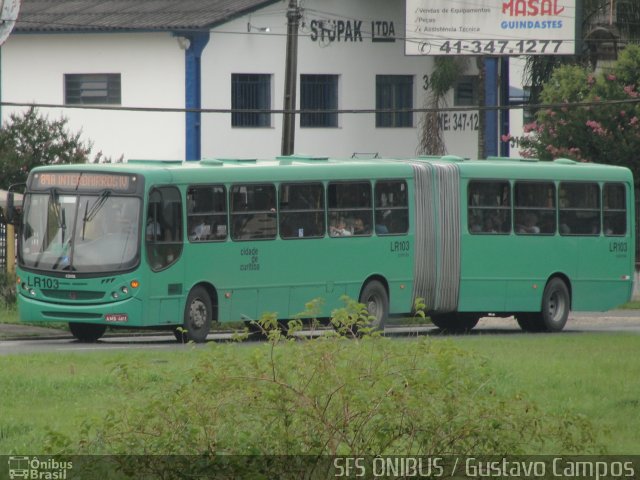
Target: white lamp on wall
184	43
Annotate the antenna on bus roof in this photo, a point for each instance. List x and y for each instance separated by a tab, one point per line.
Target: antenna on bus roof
365	155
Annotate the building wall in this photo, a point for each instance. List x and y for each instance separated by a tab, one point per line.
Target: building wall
152	66
355	58
152	75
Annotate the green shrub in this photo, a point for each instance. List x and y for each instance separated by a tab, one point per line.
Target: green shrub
329	396
8	289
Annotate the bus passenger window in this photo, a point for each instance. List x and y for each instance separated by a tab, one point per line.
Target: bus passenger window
392	209
163	227
207	213
489	207
349	203
253	213
614	205
301	210
579	204
534	210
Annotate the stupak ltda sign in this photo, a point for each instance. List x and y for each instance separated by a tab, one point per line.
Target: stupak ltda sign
490	27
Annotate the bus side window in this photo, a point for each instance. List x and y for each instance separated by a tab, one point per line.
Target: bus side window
614	205
350	208
391	207
163	227
207	213
253	214
534	208
579	204
489	207
301	210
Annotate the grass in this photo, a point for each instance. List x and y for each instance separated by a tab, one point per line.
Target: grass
592	374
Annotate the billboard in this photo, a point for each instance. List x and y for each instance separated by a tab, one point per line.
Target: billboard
490	27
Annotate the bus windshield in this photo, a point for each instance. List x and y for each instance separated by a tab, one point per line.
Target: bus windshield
80	233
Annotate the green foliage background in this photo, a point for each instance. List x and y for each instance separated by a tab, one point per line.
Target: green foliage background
607	130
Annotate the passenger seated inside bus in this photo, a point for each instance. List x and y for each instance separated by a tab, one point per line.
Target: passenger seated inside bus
339	229
202	231
530	224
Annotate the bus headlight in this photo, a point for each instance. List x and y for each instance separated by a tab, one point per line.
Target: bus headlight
124	290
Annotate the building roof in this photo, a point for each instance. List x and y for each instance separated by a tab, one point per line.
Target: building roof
129	15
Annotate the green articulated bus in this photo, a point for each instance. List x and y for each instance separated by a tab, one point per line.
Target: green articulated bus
184	244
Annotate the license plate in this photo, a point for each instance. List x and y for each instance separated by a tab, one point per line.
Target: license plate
116	317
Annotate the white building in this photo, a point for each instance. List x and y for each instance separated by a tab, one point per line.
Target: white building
149	61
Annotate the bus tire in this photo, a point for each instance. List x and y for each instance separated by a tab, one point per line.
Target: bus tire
556	303
87	332
375	298
198	316
455	322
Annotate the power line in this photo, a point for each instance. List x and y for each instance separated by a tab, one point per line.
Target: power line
339	111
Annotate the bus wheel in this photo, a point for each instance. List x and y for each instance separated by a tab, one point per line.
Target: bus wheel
87	332
455	322
555	306
198	315
374	297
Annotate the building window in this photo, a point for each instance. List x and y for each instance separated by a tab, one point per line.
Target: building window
92	88
318	92
250	91
394	92
465	92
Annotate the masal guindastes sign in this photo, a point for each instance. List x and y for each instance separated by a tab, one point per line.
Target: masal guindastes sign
491	27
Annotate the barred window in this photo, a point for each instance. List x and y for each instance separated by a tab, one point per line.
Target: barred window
318	92
250	91
92	89
465	91
394	92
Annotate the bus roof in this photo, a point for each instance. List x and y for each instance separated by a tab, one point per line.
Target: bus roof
301	167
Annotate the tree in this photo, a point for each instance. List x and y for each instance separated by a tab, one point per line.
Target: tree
445	73
606	130
30	139
607	26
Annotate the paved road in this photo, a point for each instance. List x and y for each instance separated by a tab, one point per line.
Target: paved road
19	339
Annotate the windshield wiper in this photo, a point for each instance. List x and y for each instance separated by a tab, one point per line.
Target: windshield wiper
90	214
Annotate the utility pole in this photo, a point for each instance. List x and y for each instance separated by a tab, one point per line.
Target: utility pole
290	74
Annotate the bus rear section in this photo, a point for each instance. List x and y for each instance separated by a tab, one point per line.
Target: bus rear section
538	239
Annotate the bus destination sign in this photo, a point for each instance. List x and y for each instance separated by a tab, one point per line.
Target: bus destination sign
84	181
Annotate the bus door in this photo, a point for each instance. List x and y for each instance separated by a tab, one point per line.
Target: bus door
164	243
